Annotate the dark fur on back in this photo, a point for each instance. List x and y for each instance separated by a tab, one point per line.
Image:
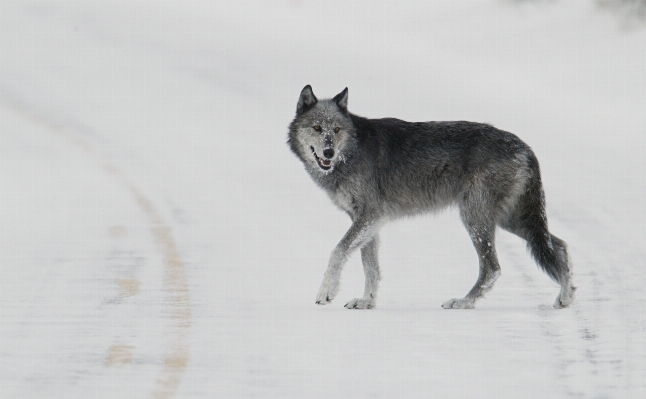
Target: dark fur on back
389	168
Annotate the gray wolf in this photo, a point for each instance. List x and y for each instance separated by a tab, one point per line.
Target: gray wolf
377	170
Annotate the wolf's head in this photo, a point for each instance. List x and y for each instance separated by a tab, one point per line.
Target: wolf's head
322	134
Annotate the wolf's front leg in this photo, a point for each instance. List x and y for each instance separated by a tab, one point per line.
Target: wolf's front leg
361	232
371	270
331	278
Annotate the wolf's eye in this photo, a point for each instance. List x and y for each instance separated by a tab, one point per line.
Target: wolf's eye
336	129
317	128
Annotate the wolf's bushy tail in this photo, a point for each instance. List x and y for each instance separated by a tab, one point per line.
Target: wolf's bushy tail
549	251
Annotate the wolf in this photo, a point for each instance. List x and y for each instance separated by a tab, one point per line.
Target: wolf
378	170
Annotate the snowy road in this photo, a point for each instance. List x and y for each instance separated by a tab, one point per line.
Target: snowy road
158	240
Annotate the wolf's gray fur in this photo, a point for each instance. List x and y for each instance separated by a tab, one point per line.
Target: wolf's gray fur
381	169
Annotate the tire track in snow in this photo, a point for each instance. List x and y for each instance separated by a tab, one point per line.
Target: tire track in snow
580	335
518	261
613	308
175	279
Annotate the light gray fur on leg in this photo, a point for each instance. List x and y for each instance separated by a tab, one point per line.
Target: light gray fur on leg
483	240
371	270
566	295
360	233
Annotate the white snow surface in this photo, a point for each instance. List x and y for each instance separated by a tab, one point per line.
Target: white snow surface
158	239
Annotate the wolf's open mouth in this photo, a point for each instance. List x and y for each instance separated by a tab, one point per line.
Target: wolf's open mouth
325	164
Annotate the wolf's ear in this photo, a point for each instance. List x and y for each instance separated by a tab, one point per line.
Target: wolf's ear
341	100
306	100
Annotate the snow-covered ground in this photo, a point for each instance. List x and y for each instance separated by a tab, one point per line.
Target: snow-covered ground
158	239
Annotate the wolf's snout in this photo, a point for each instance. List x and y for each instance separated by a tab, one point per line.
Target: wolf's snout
328	153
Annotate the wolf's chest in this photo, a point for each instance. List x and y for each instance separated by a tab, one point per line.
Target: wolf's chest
344	200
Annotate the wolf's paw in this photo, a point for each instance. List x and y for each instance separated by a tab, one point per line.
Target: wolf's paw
327	292
565	297
462	303
361	303
323	299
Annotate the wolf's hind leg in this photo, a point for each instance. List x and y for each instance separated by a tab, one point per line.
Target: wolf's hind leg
566	295
371	270
482	237
549	251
